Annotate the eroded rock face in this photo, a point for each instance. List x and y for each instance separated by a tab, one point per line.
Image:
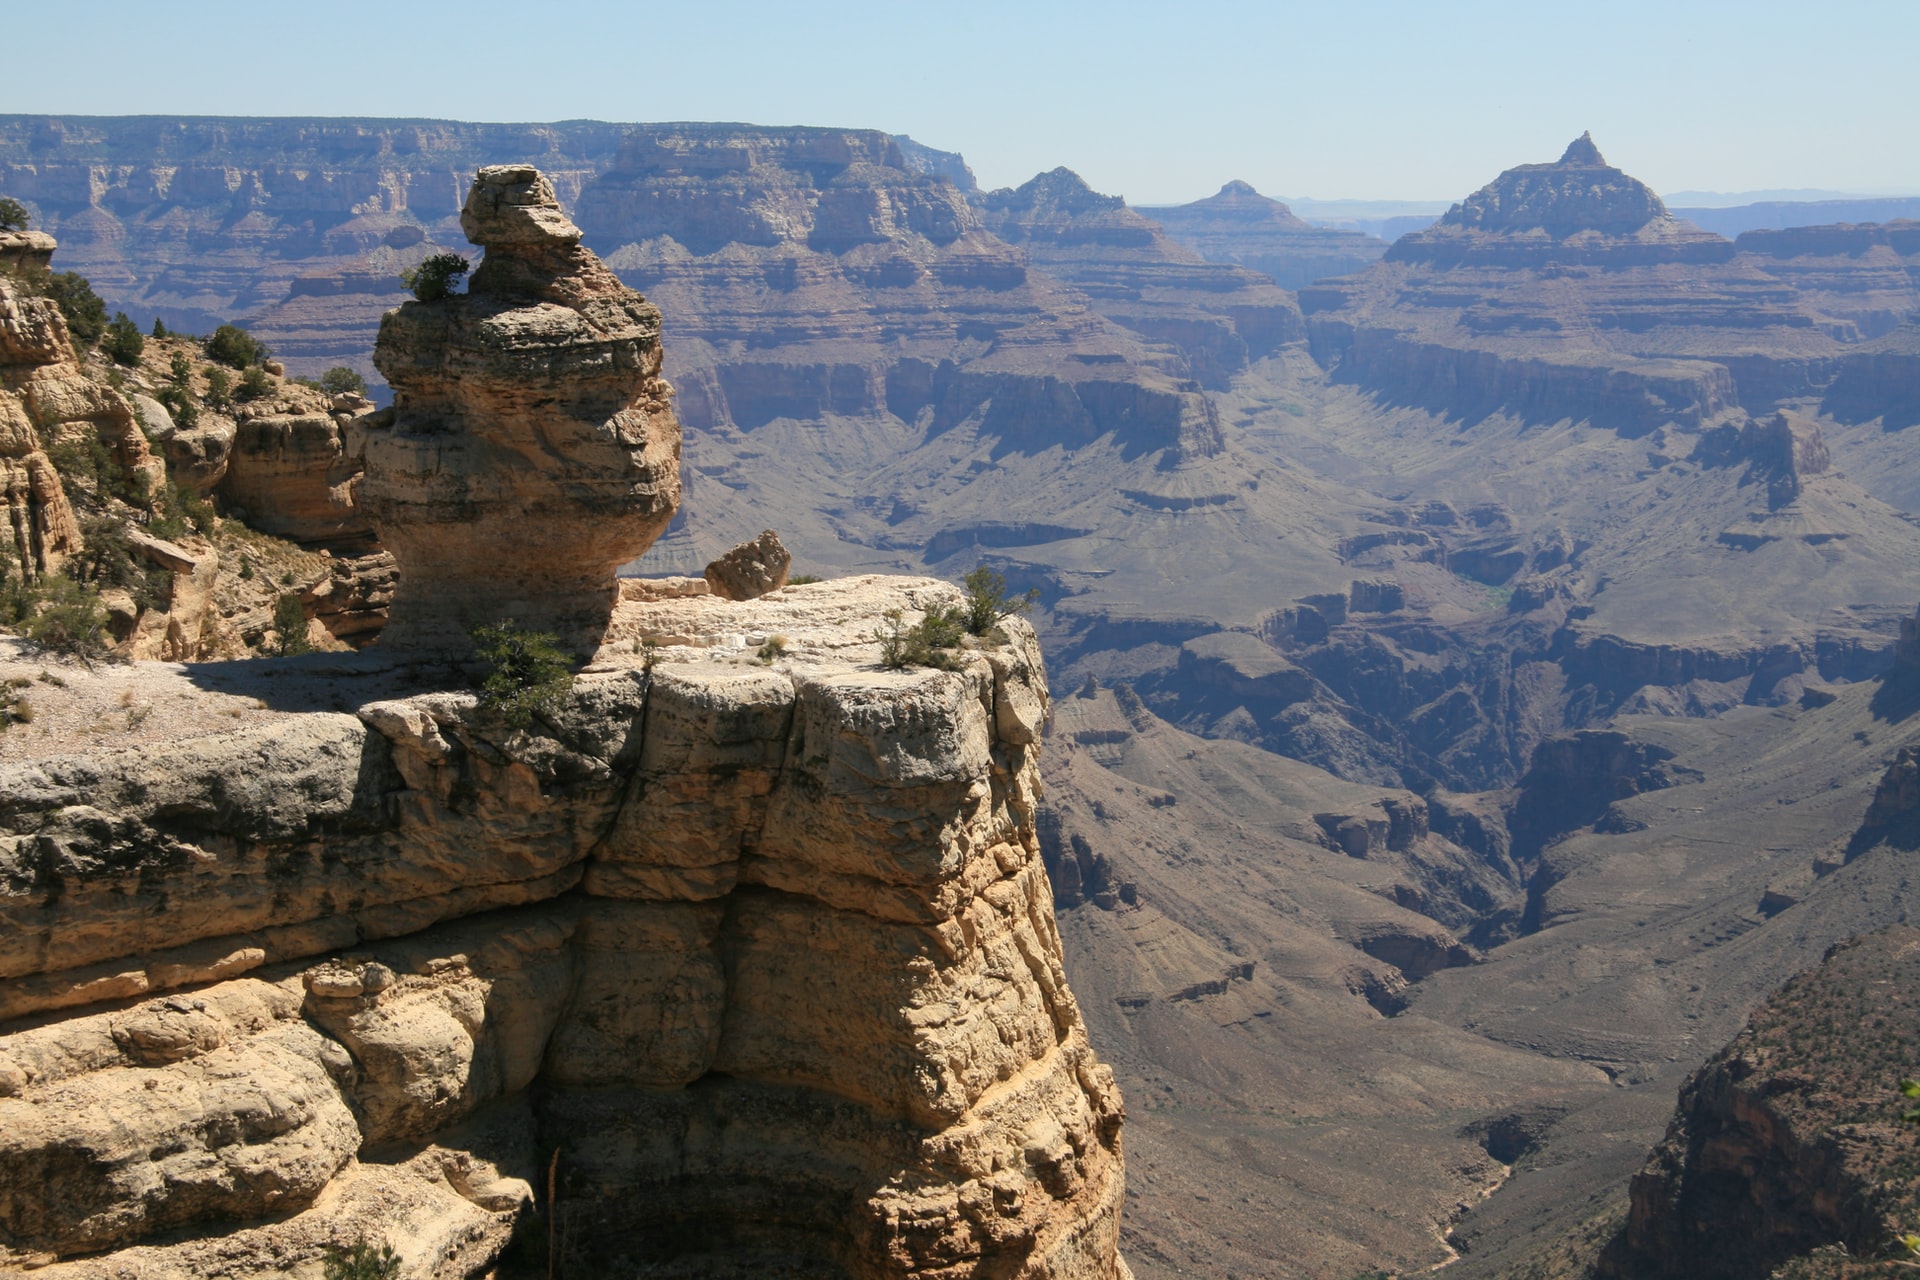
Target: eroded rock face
774	941
1789	1139
35	352
532	449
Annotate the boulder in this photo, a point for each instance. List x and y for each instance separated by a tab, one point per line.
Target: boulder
751	569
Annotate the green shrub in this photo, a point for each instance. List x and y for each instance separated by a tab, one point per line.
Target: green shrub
774	649
219	389
362	1262
180	404
526	671
436	277
109	561
87	460
65	616
801	580
235	347
290	620
340	381
180	510
928	643
13	215
123	343
159	328
71	292
988	602
254	384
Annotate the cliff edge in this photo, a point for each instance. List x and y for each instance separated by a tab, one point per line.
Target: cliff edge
762	954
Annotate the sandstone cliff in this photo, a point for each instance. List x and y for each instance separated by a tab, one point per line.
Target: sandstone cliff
764	953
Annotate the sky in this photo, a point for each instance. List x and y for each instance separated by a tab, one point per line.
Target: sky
1159	102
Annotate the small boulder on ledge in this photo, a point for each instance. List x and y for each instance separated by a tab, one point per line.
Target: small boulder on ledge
751	570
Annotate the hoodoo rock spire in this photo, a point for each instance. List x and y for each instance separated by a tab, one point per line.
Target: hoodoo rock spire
532	448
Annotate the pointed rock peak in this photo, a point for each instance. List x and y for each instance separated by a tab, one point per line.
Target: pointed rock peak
1057	191
1238	188
1582	151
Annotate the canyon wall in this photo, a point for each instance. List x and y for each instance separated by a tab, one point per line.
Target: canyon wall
1790	1139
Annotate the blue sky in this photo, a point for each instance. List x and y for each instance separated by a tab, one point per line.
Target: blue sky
1158	102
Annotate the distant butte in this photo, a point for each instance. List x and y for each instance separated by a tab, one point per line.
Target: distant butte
1568	290
1238	225
1578	209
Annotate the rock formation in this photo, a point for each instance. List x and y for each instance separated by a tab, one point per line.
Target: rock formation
1789	1139
531	449
1778	450
751	569
47	402
1238	225
1578	210
767	953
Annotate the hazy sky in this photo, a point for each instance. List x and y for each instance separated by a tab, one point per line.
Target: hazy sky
1158	102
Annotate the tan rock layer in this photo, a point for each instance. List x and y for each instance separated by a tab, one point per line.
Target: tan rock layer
777	944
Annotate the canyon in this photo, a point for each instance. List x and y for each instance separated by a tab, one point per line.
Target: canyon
1480	660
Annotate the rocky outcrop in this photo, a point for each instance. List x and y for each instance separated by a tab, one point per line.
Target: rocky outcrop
531	449
289	474
1778	450
767	952
1789	1139
26	251
1238	225
751	569
37	380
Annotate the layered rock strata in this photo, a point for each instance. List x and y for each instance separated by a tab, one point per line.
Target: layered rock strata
766	951
532	448
204	220
1218	317
1567	290
812	274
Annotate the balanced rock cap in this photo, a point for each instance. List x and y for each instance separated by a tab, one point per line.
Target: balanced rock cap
515	204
